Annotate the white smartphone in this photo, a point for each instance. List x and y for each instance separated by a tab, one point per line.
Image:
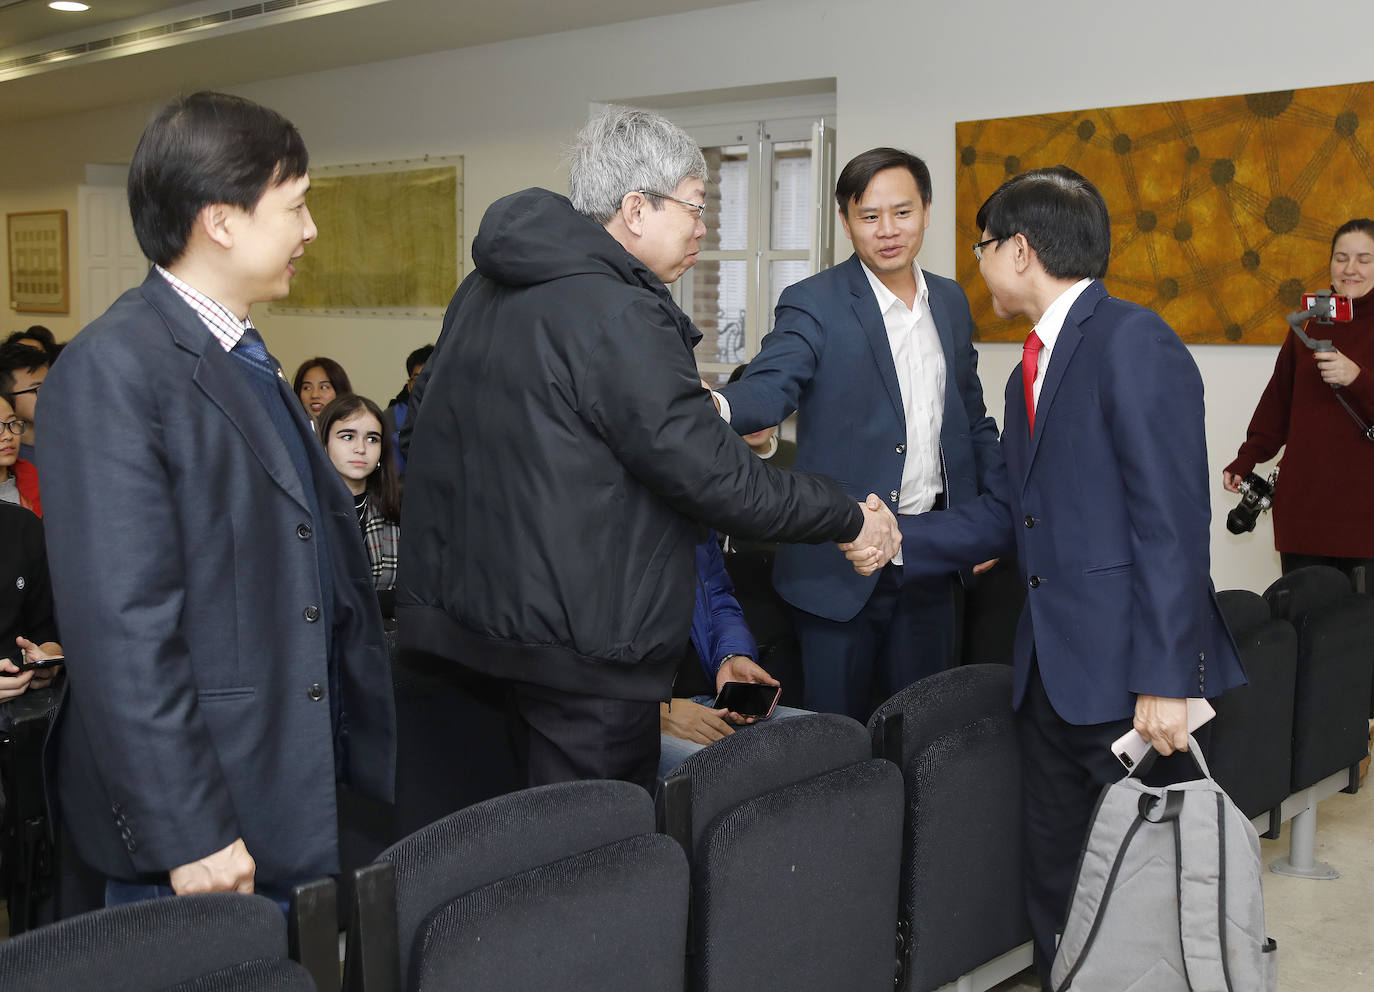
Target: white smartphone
1130	747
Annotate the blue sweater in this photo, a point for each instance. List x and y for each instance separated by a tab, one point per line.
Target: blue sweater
718	627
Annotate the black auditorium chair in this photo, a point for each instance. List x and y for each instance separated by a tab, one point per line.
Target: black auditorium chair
220	942
1335	669
962	909
793	831
1251	748
558	887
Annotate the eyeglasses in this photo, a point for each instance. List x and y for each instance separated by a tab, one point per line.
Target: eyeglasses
978	248
700	208
15	427
31	389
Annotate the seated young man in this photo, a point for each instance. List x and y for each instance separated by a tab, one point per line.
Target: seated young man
27	627
722	650
22	371
18	478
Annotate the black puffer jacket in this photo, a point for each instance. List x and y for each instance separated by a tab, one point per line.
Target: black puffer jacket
562	461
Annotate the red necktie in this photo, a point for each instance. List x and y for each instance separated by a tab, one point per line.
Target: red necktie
1030	365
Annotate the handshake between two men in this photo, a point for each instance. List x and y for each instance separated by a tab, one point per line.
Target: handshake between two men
879	540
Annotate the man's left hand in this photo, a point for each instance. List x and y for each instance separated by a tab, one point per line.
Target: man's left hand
741	668
1163	722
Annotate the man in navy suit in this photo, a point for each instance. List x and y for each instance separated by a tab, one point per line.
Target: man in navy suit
224	647
876	357
1104	498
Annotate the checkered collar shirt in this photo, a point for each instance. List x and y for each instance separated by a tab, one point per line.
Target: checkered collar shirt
217	318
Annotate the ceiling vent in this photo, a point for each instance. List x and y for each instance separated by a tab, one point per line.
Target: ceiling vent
177	32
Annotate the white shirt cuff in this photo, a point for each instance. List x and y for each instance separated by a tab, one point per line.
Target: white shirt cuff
724	405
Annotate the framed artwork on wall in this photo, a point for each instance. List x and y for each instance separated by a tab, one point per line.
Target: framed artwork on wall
38	261
390	240
1222	208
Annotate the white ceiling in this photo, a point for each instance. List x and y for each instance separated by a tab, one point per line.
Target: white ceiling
24	21
384	30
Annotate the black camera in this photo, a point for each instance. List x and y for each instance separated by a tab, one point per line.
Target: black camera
1256	496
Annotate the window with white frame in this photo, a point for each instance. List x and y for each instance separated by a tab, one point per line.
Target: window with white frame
769	224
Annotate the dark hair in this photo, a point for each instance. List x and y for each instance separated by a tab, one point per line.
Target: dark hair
384	484
861	169
418	357
202	149
1356	225
15	356
1060	214
338	378
737	372
40	334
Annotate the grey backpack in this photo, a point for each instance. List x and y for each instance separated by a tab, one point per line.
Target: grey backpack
1167	897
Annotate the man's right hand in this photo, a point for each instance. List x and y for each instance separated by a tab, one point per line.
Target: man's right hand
13	682
229	870
879	540
1230	482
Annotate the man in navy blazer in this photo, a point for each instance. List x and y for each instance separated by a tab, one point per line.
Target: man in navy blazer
876	357
224	647
1104	498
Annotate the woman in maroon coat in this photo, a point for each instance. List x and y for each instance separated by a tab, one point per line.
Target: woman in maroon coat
1325	489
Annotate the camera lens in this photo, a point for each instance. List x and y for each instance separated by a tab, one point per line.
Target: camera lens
1241	520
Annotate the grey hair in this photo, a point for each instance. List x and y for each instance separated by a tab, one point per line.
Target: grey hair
622	150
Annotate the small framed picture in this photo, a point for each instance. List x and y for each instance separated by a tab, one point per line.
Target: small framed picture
38	261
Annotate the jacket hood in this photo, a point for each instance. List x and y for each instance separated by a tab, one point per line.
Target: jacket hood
536	236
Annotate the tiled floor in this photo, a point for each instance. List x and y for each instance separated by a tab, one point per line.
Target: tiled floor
1325	930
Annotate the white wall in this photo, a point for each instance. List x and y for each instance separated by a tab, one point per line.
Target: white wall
906	71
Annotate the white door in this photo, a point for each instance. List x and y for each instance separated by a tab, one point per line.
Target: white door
109	257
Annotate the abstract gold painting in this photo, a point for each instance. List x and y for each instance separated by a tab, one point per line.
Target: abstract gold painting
1222	209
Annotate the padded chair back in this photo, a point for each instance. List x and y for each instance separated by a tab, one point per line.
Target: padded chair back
792	823
1243	610
962	903
1251	746
220	941
1335	670
561	886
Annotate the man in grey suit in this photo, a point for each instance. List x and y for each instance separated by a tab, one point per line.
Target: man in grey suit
224	647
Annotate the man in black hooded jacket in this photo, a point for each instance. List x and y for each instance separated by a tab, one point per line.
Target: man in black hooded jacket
564	459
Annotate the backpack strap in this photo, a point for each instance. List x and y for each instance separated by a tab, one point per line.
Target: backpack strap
1200	856
1108	793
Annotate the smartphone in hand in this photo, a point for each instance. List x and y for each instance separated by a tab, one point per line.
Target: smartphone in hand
754	699
41	663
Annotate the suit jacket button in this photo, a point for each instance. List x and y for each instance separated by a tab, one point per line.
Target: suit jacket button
131	846
893	495
1030	521
311	614
901	449
315	692
303	532
1035	582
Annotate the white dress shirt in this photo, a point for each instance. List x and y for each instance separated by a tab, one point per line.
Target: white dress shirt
1051	323
920	365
